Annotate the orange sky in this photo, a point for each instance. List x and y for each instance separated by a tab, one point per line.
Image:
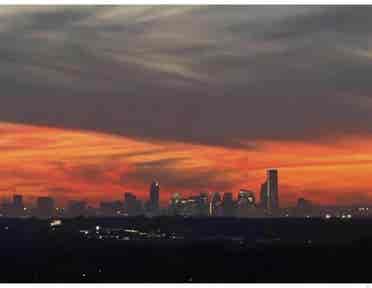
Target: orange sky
68	165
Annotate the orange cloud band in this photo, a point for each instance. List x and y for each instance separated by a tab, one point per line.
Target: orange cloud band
65	164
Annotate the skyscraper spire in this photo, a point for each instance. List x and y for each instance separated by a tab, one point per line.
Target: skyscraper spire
154	196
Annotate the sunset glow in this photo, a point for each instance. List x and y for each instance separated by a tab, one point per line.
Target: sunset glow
68	165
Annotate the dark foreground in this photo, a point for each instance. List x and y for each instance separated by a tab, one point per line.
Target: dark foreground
186	250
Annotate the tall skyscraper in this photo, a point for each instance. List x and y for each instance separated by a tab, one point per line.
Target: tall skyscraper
269	191
272	188
214	204
154	196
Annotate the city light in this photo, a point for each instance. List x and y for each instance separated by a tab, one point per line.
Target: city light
55	223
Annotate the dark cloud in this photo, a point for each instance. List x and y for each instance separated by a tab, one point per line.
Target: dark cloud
167	172
211	75
351	21
171	172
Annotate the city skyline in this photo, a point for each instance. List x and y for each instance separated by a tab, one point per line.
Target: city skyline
99	101
266	200
152	201
244	204
294	183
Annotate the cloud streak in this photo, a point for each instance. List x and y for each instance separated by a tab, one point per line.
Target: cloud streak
170	91
68	164
208	75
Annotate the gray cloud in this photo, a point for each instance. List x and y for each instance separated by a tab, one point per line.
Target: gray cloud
167	172
350	21
211	75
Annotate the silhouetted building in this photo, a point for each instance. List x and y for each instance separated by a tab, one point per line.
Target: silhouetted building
247	197
272	188
91	211
18	201
76	208
13	209
198	205
215	205
132	206
269	192
153	204
246	203
195	206
304	207
175	207
203	204
263	193
228	204
17	209
45	207
113	208
190	206
7	209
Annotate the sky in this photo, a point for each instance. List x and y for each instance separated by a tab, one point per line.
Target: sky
98	101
